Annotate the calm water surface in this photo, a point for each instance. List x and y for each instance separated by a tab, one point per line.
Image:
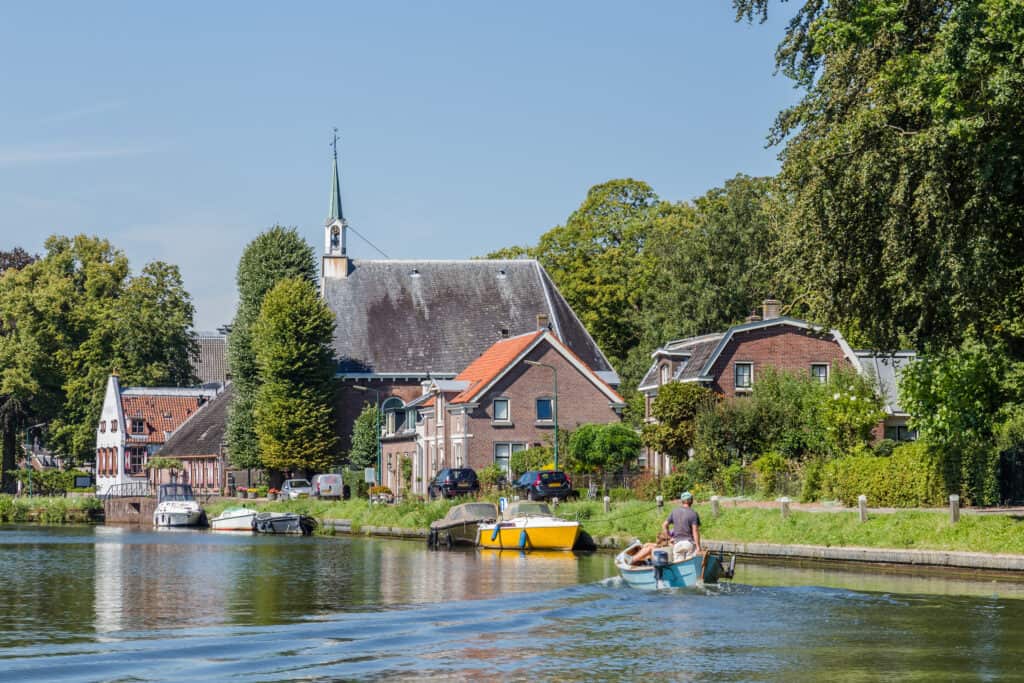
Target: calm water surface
108	603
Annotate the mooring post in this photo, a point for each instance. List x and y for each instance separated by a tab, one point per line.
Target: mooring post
714	506
660	500
784	506
554	503
607	504
862	505
954	508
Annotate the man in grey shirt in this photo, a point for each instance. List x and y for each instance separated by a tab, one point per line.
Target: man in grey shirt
685	522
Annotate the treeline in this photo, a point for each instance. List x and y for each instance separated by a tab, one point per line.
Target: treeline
70	317
897	217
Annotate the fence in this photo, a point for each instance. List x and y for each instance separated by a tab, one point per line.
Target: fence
131	489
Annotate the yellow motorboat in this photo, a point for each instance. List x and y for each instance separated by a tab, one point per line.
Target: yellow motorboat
528	525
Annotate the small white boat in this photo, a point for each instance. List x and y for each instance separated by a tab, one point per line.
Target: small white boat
283	523
663	570
177	506
234	519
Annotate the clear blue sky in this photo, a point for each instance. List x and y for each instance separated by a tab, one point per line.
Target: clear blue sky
180	130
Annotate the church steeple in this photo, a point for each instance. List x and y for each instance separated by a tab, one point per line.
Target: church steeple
334	227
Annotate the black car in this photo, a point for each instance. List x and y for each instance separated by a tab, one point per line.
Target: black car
544	484
453	481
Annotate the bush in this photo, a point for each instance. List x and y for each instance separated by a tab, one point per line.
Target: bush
535	458
812	479
49	482
730	479
771	469
620	494
885	447
490	476
911	477
674	484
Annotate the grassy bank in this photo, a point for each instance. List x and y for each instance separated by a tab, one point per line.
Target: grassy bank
49	510
911	529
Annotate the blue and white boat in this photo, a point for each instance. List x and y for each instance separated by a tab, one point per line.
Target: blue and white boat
662	571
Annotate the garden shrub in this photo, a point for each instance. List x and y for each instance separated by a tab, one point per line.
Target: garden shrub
490	476
730	479
674	484
771	470
911	477
811	480
619	494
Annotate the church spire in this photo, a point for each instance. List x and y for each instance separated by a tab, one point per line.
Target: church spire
335	212
334	228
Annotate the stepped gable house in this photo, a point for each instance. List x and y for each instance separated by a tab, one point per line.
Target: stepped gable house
401	323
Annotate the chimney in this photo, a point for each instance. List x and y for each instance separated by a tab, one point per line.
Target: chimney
770	308
543	321
753	317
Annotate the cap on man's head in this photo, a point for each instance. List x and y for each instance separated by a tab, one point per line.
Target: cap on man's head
685	495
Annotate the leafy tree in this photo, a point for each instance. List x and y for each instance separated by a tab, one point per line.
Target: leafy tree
15	259
533	458
364	438
293	417
904	161
275	254
675	410
599	448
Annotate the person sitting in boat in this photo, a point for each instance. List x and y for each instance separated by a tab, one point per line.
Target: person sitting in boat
644	554
685	523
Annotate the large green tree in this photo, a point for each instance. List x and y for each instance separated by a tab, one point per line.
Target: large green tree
905	163
675	411
365	438
275	254
293	416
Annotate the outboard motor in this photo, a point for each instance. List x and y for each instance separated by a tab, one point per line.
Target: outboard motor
659	560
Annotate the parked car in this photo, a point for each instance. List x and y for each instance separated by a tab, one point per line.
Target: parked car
544	485
453	481
328	486
296	488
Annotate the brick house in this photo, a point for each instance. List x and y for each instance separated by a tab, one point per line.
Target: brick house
200	445
729	363
499	404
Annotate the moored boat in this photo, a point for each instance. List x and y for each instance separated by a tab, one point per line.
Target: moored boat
283	523
459	526
528	525
177	506
234	519
662	570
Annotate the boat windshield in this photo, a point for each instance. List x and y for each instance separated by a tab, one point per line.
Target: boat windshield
472	511
521	508
175	492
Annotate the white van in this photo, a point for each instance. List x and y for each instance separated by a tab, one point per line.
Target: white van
328	486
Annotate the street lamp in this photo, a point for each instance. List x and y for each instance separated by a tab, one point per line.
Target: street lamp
28	452
554	402
376	421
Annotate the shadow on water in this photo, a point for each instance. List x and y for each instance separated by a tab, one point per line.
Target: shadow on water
117	604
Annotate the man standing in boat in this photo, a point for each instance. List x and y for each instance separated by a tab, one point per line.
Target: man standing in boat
685	523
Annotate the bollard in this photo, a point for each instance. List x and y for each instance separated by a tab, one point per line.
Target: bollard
862	505
784	506
607	504
714	506
661	500
954	508
554	503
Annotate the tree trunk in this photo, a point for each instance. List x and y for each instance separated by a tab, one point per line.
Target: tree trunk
7	463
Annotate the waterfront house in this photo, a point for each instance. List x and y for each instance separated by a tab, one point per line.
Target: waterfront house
200	445
501	403
729	363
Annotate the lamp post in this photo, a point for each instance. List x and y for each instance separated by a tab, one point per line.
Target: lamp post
28	452
554	402
376	424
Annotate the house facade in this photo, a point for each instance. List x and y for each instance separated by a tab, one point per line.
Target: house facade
730	362
503	402
135	423
200	445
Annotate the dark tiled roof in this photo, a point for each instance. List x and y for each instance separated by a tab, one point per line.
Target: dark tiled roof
698	350
205	432
438	316
211	365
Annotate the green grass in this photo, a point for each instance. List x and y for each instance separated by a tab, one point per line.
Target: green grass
48	510
911	529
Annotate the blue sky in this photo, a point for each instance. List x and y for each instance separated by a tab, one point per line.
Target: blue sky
180	130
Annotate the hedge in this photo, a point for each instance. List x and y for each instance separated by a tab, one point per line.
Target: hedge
910	477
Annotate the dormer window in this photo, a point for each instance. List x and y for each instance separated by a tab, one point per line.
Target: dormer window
138	425
665	371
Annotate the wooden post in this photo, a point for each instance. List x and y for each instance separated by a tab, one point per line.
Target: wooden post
714	506
784	506
660	500
607	504
554	503
862	505
954	508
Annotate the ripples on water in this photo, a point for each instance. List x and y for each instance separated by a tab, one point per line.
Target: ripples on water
109	604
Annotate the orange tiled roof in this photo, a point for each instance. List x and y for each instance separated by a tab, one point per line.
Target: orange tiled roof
161	415
491	364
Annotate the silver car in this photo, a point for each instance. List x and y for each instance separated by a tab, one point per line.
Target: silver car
296	488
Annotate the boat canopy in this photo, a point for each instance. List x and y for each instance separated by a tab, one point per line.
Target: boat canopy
521	508
175	492
472	512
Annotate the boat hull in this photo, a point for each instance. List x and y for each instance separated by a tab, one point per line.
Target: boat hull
537	536
683	574
283	523
165	517
234	521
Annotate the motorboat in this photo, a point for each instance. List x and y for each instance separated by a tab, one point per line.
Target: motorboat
528	525
283	523
177	506
664	570
459	526
234	519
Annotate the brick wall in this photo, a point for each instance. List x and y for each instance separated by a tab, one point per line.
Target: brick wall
780	347
349	403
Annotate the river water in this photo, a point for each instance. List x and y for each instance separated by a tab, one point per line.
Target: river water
109	603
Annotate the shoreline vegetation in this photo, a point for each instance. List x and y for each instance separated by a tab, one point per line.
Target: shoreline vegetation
50	509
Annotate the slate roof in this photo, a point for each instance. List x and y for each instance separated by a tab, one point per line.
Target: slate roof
205	432
695	350
886	369
420	317
212	364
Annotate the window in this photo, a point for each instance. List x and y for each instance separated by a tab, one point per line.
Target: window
138	425
544	409
103	426
503	453
744	375
136	460
394	415
113	425
819	371
900	433
500	410
664	373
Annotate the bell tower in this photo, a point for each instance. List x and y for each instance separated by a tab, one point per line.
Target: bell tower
335	259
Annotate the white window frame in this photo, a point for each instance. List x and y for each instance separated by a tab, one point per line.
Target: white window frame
551	409
821	379
494	410
750	375
666	373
